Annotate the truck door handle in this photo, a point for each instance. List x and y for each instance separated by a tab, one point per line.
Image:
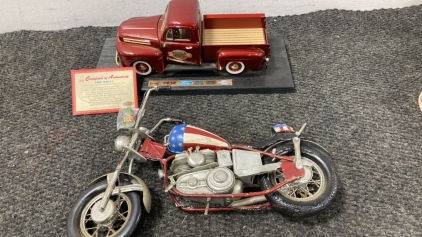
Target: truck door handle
189	47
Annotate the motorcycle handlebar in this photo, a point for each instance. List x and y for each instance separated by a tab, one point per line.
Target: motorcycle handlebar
144	101
178	121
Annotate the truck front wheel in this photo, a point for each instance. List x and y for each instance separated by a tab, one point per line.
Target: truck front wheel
235	67
142	68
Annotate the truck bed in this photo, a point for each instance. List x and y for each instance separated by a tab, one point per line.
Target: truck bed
238	29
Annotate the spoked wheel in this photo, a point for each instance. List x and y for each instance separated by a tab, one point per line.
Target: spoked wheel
307	188
122	216
309	194
235	67
143	68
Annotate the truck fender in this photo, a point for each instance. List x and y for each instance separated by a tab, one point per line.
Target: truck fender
137	184
253	58
143	53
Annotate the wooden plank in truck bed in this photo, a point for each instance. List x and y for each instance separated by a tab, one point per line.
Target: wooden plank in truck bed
233	31
234	36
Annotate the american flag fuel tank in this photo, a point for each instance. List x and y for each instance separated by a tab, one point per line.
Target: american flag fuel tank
184	136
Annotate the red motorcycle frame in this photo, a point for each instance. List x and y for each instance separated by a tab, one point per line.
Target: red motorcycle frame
155	152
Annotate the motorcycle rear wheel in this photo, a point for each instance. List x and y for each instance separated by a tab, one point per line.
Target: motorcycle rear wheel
126	221
310	194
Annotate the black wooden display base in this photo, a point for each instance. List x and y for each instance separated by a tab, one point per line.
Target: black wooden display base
276	78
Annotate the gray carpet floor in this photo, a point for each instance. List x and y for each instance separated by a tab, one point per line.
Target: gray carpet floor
357	76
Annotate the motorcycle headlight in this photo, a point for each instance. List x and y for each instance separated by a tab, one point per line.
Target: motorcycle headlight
120	142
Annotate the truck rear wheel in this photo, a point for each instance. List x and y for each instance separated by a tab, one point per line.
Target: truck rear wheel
142	68
235	67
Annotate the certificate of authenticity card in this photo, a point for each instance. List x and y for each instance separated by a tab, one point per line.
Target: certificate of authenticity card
103	90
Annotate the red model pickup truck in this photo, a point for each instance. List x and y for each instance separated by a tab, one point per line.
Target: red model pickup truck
234	42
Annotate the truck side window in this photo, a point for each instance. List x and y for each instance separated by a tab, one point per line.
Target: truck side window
178	34
181	34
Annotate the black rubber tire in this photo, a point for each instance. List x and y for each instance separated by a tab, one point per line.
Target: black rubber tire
320	157
134	222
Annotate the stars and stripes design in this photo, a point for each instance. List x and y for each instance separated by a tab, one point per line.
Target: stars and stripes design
282	127
184	136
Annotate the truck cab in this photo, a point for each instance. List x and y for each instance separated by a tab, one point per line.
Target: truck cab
181	33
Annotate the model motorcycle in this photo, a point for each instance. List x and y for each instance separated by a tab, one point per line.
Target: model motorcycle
203	172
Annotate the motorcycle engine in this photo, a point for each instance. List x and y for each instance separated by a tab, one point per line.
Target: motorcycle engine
186	161
217	180
205	172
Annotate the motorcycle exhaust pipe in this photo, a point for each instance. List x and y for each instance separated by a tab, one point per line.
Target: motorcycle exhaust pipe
249	201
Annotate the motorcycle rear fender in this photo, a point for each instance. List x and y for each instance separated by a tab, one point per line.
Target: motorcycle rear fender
279	137
283	137
137	185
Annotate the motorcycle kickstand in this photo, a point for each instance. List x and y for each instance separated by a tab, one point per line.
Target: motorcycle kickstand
207	207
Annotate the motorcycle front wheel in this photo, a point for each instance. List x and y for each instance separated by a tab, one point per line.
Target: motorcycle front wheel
309	194
123	216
